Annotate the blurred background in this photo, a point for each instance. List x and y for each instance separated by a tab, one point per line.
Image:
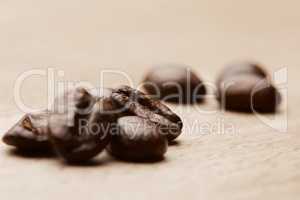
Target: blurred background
82	37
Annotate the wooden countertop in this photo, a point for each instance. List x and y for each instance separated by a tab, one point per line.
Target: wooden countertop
83	38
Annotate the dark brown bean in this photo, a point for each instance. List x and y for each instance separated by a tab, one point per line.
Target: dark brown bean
137	139
174	83
249	93
30	133
134	102
81	132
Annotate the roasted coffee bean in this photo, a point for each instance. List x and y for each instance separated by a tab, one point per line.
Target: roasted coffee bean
246	87
134	102
137	139
76	144
103	111
101	93
83	130
241	67
249	93
174	83
77	100
30	133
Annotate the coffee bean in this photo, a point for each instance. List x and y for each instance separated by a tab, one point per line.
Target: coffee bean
75	144
101	93
241	67
249	93
134	102
74	100
174	83
30	133
137	139
82	131
246	87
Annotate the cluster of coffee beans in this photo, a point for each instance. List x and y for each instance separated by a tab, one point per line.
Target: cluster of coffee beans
241	86
82	123
130	124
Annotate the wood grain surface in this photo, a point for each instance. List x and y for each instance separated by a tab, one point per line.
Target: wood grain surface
253	160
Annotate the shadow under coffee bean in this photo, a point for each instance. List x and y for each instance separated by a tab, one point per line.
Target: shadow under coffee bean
175	83
246	87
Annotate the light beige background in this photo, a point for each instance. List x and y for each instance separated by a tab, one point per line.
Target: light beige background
83	37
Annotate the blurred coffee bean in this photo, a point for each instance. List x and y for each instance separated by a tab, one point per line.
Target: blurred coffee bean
30	133
249	93
174	83
82	131
241	67
134	102
76	144
137	139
